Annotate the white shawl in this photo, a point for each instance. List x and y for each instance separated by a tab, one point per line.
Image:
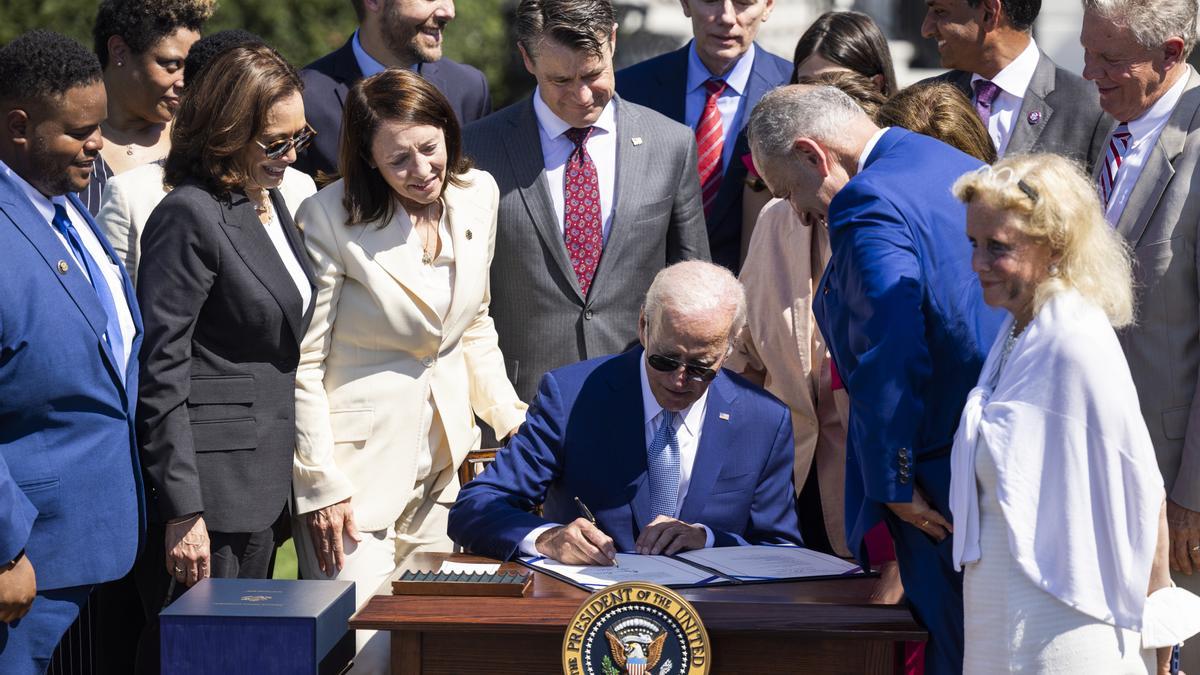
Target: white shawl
1078	482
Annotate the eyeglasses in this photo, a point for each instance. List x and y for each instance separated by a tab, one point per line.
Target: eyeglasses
1003	177
666	364
281	147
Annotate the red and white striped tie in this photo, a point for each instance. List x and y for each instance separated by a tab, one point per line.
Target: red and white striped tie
1118	145
710	141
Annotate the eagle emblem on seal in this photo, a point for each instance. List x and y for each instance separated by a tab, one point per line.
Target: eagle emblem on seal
636	645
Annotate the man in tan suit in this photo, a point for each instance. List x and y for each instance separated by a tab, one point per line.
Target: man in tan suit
1135	51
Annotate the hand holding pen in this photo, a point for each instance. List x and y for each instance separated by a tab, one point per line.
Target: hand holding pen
579	542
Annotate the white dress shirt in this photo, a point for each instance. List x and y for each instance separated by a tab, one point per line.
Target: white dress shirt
288	257
557	148
108	267
1013	81
729	103
1144	132
869	147
689	425
436	278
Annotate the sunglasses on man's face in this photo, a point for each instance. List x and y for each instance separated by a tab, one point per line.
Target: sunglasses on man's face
666	364
281	147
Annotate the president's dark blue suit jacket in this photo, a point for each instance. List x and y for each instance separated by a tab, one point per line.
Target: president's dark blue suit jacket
904	318
660	83
70	483
584	436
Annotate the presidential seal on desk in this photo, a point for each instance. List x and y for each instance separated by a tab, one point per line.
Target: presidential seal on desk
636	628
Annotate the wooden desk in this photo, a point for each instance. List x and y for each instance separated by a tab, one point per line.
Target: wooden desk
801	627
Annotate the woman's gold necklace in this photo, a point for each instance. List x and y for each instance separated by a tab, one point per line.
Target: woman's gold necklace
426	254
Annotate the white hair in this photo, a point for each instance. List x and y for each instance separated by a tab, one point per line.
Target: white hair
694	289
796	111
1152	22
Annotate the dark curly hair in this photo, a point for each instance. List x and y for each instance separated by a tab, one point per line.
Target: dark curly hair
142	23
210	46
41	64
222	113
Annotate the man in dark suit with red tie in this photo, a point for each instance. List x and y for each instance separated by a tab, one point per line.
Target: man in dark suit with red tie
711	85
391	34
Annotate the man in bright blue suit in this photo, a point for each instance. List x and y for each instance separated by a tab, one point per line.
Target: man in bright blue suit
677	84
70	486
669	452
904	319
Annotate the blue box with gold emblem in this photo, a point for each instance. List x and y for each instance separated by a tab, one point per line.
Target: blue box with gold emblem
260	626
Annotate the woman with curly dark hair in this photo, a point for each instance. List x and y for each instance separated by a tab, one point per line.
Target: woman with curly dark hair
141	45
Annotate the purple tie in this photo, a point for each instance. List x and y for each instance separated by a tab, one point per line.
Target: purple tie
986	92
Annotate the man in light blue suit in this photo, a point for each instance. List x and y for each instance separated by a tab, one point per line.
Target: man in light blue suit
70	486
675	84
669	452
904	319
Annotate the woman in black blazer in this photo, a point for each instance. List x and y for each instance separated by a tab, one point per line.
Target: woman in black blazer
225	290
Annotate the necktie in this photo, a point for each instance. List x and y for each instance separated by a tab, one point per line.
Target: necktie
710	142
112	326
662	459
986	92
583	231
1114	155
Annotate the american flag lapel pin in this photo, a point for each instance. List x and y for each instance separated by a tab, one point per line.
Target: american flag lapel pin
724	416
637	140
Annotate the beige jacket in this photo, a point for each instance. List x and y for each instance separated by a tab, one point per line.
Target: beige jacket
375	352
783	266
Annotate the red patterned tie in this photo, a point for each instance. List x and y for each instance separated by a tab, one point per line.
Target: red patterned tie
710	141
582	224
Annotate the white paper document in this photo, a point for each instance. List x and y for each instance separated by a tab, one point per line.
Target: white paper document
658	569
703	567
768	563
449	567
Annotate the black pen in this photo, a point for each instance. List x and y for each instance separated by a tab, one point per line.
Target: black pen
587	513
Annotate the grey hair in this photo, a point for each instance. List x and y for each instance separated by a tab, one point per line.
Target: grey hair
1152	22
696	288
787	113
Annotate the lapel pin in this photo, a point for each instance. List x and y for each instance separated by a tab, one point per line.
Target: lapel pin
469	235
1035	117
724	416
637	140
63	267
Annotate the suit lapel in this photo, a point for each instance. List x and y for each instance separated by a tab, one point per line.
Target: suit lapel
1024	132
716	439
388	246
38	231
670	97
731	186
628	443
1158	171
631	163
251	241
524	147
296	242
345	71
464	215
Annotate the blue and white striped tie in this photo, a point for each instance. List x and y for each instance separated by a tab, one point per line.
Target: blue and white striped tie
1118	145
662	459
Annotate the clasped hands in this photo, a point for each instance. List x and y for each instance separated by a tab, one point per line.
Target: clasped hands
582	543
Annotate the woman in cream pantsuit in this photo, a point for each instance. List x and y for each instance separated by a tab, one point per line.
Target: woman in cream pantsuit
401	353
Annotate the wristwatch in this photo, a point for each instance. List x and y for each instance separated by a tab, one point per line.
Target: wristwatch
13	563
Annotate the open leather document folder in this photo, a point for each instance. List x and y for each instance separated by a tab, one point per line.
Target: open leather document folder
703	567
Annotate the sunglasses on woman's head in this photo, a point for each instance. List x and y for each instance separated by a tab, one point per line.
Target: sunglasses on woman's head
666	364
281	147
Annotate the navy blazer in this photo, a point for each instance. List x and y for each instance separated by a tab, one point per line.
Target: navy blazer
70	484
904	318
660	83
584	436
327	80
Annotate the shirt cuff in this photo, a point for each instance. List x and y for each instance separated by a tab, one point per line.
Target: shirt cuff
529	543
708	536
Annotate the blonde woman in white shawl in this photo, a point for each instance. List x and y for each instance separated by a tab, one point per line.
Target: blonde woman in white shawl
1057	499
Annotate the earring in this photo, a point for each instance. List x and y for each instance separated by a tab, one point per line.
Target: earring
120	63
1053	269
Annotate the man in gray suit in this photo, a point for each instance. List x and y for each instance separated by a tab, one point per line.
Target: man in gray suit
1027	102
596	196
1136	53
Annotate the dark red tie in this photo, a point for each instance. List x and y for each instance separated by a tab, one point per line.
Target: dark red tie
583	231
710	142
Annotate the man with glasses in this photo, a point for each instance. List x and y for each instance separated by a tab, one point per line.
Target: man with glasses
653	451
